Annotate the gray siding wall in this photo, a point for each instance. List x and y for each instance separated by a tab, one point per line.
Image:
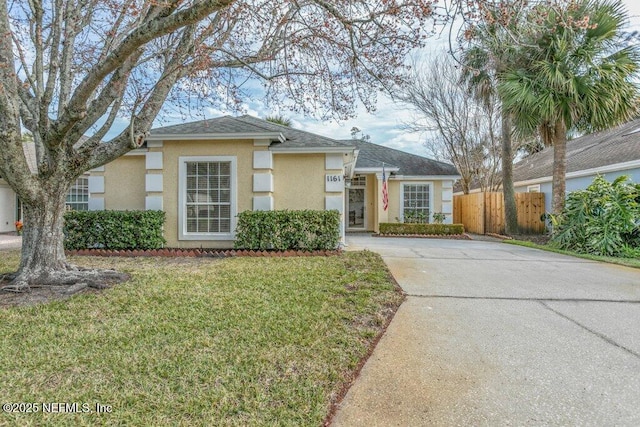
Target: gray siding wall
581	183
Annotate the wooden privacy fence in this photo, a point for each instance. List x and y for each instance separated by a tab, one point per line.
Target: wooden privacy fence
483	213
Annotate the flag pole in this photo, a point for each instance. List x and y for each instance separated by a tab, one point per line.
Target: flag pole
385	190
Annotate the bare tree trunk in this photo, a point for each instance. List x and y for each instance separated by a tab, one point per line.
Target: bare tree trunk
466	185
42	240
510	209
43	261
559	167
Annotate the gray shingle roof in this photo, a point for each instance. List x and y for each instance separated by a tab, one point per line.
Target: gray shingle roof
616	145
219	125
295	138
373	155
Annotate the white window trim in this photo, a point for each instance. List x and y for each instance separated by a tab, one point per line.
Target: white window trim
535	188
73	186
182	197
431	206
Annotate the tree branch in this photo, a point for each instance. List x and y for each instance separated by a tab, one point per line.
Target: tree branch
13	164
142	121
162	23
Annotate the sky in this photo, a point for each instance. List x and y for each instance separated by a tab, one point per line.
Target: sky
385	125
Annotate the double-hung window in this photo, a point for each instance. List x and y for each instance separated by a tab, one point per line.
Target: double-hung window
207	197
78	195
416	202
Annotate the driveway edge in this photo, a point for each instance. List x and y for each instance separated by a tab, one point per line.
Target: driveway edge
372	346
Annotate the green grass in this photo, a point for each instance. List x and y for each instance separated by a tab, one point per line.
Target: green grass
242	341
628	262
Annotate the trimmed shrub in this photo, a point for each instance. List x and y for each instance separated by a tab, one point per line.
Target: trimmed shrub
603	219
118	230
285	230
426	229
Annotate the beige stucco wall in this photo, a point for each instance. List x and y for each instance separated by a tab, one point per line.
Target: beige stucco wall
299	181
394	197
241	149
394	200
124	184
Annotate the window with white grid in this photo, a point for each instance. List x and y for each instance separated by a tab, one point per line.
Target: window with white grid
416	202
208	197
78	195
359	181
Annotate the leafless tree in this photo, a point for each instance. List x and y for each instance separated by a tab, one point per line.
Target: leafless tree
70	68
460	128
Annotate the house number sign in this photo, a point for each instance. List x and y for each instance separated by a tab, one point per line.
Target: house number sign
333	183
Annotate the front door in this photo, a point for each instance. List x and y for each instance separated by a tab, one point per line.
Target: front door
356	209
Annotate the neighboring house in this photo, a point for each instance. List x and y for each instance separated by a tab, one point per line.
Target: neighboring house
610	153
202	174
7	208
10	207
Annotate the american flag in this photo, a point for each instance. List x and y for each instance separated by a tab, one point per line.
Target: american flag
385	192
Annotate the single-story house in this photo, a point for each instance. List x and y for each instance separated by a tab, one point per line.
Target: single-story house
611	153
202	174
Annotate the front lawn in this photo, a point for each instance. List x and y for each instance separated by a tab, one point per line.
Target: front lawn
241	341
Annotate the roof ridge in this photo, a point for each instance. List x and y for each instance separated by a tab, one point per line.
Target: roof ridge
404	152
239	119
288	128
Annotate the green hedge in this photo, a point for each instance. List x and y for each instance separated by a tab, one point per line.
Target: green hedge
113	230
285	230
427	229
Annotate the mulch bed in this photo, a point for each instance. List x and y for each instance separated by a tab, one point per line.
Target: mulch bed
203	253
540	239
429	236
36	295
45	294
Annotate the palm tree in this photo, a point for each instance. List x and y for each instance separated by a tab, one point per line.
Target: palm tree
490	54
279	120
575	74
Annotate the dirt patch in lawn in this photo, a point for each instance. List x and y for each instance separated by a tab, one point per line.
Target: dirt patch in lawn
539	239
45	294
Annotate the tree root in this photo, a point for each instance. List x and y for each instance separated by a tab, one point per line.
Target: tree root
72	277
16	286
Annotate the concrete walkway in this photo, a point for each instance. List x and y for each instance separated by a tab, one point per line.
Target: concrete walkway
10	241
495	334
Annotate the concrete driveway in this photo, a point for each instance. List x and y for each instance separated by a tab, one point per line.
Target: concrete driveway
10	241
495	334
